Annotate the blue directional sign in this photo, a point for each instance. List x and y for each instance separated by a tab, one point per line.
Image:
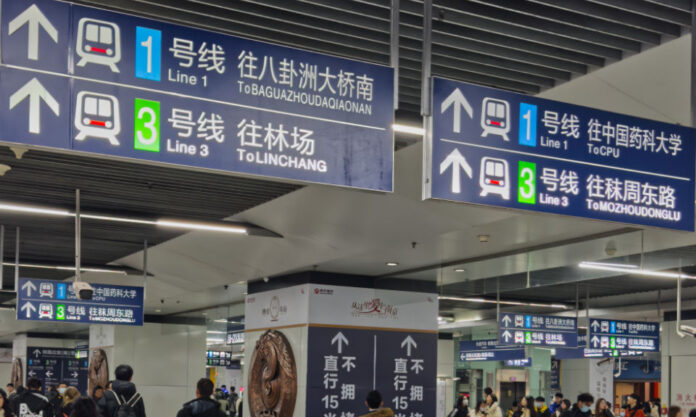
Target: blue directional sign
87	80
346	364
496	148
624	335
524	363
218	358
582	352
637	370
537	330
488	350
55	301
555	375
51	365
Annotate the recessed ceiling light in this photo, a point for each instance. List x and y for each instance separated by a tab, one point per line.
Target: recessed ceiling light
204	313
460	270
158	310
392	264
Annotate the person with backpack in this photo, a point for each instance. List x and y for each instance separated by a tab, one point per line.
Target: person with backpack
30	402
123	400
203	405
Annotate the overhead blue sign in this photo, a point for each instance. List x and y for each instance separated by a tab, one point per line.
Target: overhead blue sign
235	330
53	365
496	148
637	370
84	79
624	335
488	350
346	364
555	375
537	330
55	301
519	362
581	352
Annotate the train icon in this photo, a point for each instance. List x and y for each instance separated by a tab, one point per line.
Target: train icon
495	177
495	117
98	42
97	116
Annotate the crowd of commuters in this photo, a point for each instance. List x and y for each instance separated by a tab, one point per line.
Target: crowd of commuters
119	398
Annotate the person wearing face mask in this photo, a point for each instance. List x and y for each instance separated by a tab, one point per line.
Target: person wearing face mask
582	408
602	409
55	398
634	409
540	408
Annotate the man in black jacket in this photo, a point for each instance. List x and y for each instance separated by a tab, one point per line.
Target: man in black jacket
122	392
31	403
203	405
583	408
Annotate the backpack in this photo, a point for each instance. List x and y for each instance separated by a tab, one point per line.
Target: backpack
126	408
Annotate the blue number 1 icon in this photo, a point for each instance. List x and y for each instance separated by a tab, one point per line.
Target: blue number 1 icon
528	124
148	53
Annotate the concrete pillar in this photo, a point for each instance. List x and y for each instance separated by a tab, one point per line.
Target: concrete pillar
167	359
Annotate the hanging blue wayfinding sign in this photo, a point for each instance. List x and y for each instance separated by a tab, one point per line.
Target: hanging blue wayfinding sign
53	365
55	301
83	79
537	330
624	335
497	148
488	350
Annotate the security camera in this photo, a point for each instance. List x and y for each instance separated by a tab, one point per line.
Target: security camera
691	331
83	290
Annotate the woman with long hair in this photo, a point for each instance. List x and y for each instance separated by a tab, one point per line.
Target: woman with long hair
5	410
602	409
70	396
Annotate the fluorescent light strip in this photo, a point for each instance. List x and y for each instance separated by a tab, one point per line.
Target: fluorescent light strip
116	219
412	130
503	302
35	210
201	226
67	268
633	271
215	332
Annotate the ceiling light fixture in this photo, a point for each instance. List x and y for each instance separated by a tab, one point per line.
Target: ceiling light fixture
68	268
18	208
460	270
214	341
632	270
117	219
411	130
214	332
504	302
201	226
220	321
392	264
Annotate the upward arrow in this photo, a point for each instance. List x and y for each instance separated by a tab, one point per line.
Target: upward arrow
595	324
36	92
456	160
595	341
507	335
29	286
339	339
409	343
33	18
506	320
28	308
457	100
36	353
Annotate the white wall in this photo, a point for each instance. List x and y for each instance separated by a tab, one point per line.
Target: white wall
445	372
5	373
575	377
167	359
678	367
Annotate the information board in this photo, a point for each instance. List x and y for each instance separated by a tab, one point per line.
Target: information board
555	383
345	364
624	335
235	330
524	363
218	358
83	79
53	365
488	350
538	330
55	301
497	148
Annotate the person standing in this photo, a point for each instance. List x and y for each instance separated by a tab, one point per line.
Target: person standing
84	407
565	406
492	407
203	405
540	408
634	409
602	409
31	403
70	395
375	406
123	396
10	391
556	403
582	408
674	411
5	410
461	408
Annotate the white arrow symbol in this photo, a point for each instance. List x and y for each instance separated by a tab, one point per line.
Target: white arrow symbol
595	325
36	353
409	343
595	341
32	373
456	160
29	308
506	320
33	18
36	92
458	100
75	374
49	374
29	286
507	335
340	339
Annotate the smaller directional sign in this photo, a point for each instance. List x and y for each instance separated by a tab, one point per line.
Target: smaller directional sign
624	335
538	330
526	363
488	350
52	365
56	301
